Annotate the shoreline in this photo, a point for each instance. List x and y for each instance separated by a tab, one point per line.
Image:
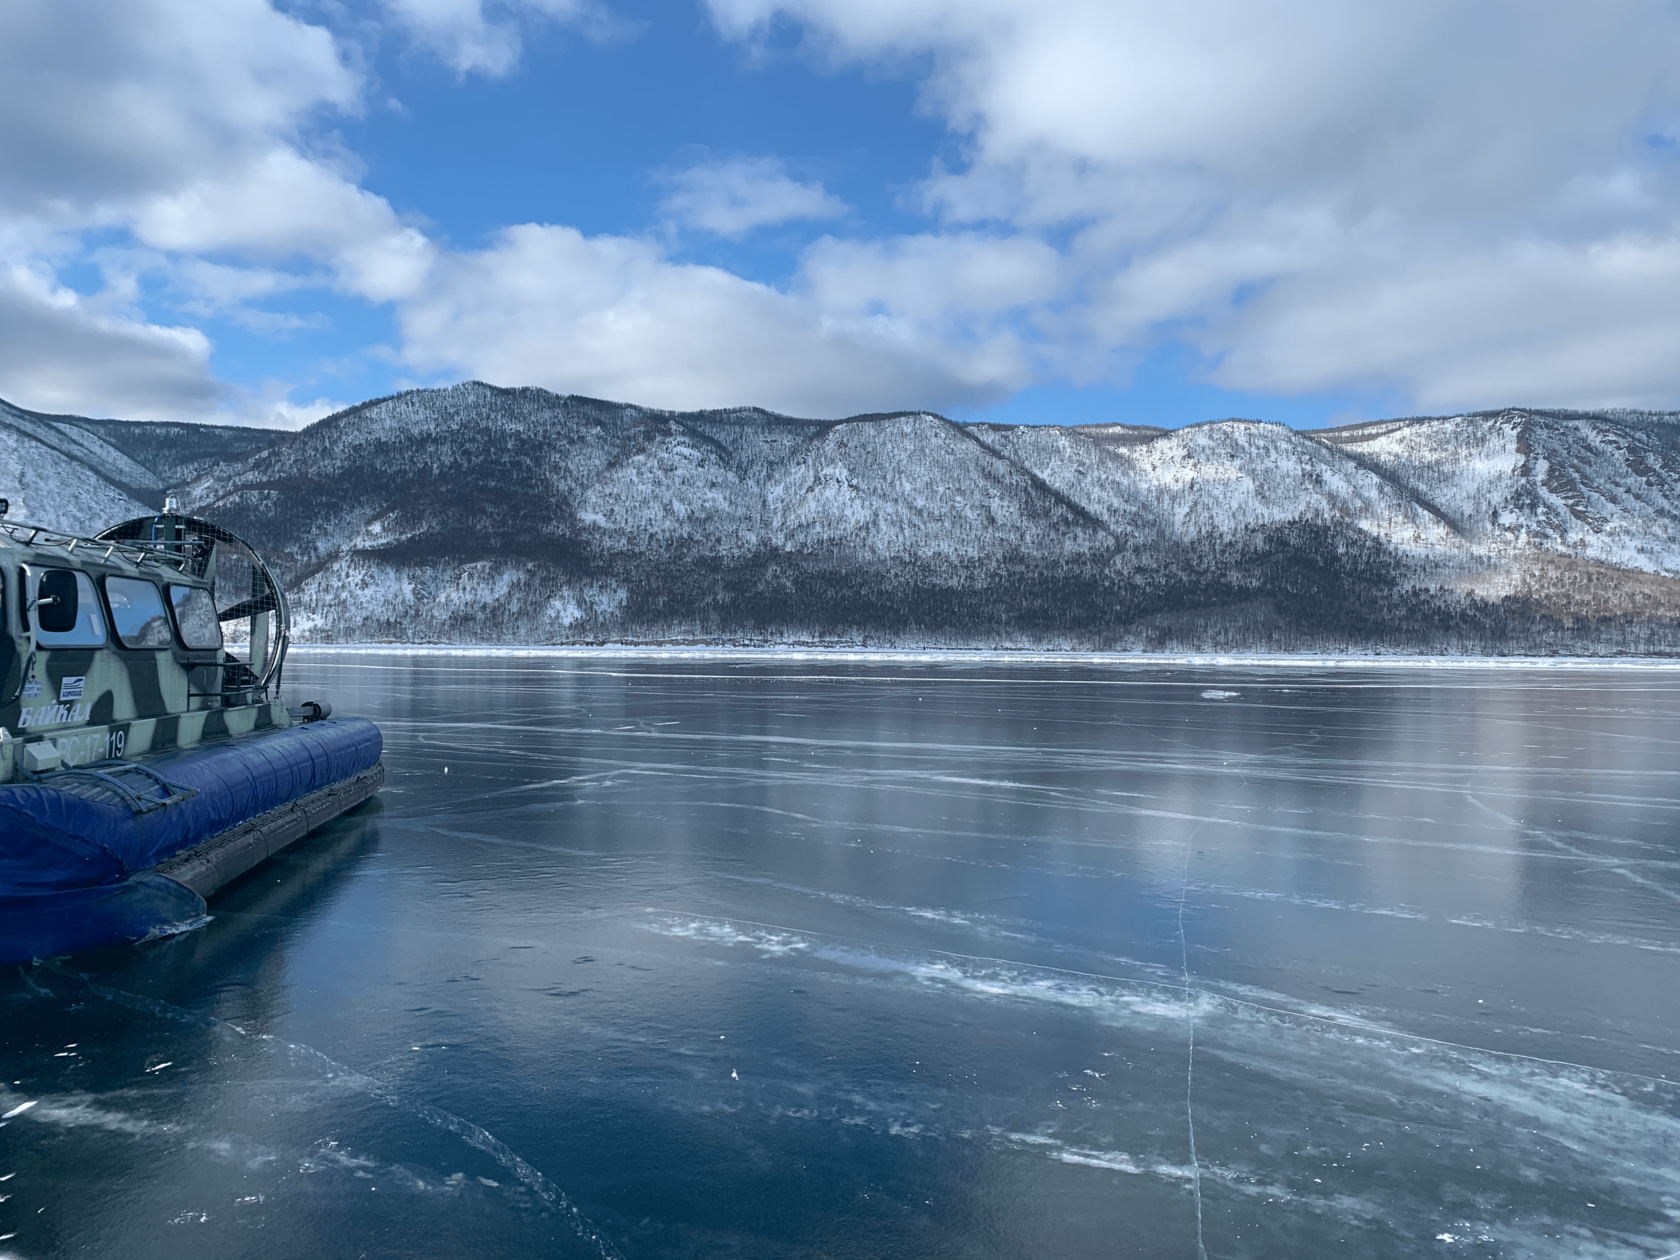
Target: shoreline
991	656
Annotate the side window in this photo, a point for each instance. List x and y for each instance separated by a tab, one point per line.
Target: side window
137	613
195	617
67	610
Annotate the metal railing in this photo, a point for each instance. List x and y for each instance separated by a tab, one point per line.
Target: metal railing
175	555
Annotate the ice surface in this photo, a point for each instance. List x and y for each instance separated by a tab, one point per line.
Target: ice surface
790	954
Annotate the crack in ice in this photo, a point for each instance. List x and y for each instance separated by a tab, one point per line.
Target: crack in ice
1190	1055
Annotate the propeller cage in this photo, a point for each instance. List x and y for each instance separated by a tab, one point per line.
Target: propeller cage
249	601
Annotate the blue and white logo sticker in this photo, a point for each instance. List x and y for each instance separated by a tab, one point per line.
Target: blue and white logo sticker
32	689
71	688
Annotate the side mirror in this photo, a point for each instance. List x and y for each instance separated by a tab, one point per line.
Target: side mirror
58	602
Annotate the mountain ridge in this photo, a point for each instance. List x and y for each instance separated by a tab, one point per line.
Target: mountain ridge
482	513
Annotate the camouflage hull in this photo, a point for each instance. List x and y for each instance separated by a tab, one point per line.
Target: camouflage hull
98	857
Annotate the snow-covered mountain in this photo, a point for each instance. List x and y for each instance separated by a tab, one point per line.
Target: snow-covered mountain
79	475
515	515
1596	486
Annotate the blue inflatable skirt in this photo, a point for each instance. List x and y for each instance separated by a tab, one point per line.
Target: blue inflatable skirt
77	848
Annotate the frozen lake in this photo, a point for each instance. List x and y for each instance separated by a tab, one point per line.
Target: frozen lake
775	957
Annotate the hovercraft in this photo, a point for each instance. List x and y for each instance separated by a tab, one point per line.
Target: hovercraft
144	762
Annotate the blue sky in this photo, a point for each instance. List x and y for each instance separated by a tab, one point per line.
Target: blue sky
1066	211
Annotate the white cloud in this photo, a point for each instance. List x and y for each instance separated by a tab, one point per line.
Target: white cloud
217	287
934	321
468	39
102	102
1540	323
460	34
282	203
60	352
733	198
1320	195
613	317
1410	100
950	281
276	411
